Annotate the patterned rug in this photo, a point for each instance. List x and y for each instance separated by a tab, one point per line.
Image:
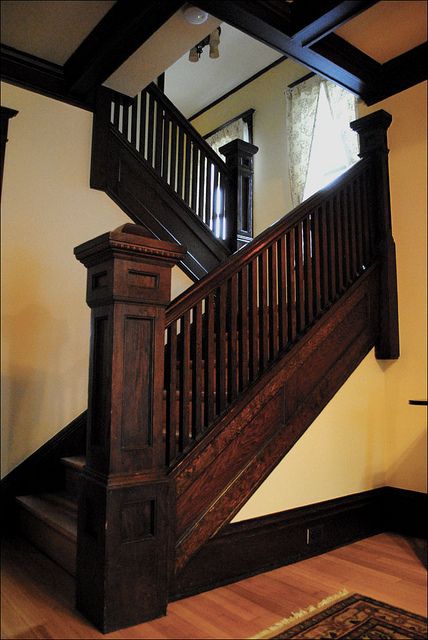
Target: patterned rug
356	616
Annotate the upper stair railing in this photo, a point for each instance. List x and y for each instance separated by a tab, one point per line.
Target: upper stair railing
163	137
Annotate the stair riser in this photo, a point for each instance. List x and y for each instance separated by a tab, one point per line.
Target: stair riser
58	547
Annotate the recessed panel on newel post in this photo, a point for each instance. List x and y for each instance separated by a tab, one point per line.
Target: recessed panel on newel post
126	504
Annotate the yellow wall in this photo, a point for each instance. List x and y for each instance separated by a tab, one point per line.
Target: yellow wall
266	95
368	436
47	210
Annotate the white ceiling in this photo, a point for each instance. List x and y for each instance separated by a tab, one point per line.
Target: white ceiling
49	29
191	86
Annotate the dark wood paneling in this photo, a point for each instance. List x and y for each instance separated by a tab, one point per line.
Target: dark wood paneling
245	548
208	481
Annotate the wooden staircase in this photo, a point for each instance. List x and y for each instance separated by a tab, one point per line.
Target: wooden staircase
151	161
193	402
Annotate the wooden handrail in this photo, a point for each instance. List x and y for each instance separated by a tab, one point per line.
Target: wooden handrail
193	294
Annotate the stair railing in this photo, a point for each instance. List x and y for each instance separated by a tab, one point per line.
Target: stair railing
226	330
164	139
222	335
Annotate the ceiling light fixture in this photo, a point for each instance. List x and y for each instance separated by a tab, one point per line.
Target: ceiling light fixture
213	40
194	15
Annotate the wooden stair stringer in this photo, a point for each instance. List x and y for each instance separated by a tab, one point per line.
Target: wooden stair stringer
221	473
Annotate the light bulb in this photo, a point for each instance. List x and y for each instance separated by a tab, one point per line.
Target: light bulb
194	15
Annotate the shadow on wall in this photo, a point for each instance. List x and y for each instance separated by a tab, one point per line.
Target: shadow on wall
41	393
409	470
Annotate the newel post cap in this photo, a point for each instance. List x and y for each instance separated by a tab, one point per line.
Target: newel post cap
238	147
129	239
372	130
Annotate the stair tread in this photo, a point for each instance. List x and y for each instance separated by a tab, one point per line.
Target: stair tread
55	509
75	462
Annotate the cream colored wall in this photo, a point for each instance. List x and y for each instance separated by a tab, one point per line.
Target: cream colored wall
369	435
266	95
406	425
47	210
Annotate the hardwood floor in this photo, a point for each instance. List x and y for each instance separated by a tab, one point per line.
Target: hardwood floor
38	596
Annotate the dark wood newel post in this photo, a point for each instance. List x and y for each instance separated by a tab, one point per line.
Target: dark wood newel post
5	115
126	514
372	130
239	196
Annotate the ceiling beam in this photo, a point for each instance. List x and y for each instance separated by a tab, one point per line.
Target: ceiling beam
264	21
313	21
117	36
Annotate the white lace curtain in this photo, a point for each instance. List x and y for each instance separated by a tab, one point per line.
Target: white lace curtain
302	106
236	129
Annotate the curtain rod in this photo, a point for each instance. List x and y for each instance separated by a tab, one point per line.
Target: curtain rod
300	80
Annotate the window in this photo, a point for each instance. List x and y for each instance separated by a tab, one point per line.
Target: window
321	145
239	127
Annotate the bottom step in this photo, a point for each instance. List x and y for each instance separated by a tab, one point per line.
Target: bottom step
49	521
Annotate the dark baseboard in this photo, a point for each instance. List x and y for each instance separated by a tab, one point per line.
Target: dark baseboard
254	546
42	471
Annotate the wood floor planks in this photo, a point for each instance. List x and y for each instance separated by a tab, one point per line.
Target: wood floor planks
38	596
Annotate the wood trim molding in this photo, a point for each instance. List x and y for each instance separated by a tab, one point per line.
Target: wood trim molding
246	116
249	547
35	74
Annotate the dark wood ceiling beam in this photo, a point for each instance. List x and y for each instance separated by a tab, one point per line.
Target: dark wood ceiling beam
259	21
27	71
401	73
313	21
116	37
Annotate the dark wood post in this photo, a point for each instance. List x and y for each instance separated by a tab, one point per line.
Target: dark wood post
126	510
5	115
239	196
372	131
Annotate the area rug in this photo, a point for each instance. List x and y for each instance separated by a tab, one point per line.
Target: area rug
349	616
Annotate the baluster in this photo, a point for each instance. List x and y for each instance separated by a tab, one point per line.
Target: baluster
253	320
143	128
307	239
116	112
232	359
216	199
209	342
208	208
273	302
150	128
331	239
197	371
291	285
263	312
180	162
300	285
125	119
243	328
223	222
359	222
185	381
134	112
201	185
282	293
171	393
352	233
346	236
324	256
339	243
166	159
195	164
187	173
159	141
316	259
220	334
173	161
368	227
